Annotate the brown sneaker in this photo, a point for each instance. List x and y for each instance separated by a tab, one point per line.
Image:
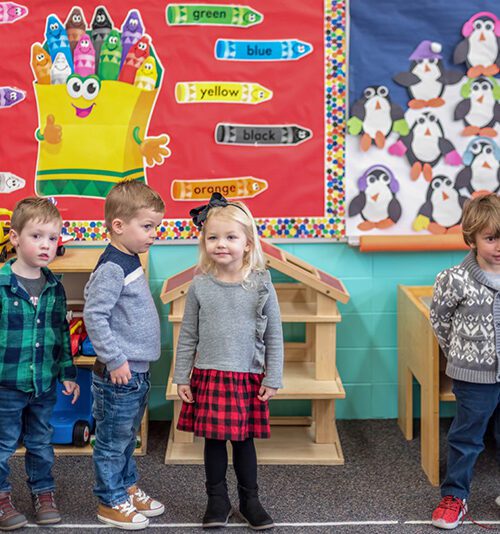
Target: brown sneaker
45	508
144	503
123	516
10	518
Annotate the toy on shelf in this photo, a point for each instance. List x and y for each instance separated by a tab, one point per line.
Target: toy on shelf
5	246
61	242
73	423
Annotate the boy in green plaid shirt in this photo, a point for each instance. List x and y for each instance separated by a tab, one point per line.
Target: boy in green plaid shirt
34	352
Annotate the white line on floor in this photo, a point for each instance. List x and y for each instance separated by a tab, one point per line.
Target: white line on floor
480	521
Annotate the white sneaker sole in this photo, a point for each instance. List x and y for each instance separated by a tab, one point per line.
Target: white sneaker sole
152	513
122	525
439	523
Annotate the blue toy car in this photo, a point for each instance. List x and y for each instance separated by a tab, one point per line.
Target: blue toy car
73	423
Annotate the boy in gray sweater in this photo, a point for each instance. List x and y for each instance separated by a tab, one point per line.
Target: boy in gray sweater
123	325
465	315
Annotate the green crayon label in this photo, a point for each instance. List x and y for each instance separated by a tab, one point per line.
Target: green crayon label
212	15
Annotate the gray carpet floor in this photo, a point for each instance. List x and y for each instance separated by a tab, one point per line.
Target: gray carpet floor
381	484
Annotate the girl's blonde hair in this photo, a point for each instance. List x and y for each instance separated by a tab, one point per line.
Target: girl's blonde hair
253	259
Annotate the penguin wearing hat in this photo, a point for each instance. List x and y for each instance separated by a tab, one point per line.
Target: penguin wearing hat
376	202
481	173
427	78
480	50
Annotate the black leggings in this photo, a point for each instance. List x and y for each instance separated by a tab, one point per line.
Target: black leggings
244	461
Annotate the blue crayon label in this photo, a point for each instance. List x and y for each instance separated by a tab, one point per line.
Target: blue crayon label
276	50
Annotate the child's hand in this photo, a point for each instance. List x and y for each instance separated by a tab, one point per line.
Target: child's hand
265	393
121	375
185	393
71	388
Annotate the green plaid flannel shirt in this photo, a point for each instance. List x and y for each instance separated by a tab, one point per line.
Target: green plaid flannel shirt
34	341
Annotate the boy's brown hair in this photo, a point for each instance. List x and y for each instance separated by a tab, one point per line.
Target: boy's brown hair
33	209
127	197
480	213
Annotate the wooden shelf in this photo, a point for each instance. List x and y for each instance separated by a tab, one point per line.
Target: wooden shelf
293	445
84	361
298	381
445	392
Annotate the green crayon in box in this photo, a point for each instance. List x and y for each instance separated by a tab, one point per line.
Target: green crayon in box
212	15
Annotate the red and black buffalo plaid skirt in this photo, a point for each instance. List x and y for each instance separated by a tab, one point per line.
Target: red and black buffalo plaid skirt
225	406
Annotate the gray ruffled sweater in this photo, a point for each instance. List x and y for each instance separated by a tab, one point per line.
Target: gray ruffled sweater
231	327
465	315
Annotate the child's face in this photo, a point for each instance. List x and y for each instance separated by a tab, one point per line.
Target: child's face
488	250
226	243
138	234
36	244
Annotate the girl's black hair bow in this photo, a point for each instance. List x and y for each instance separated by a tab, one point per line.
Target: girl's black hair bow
199	215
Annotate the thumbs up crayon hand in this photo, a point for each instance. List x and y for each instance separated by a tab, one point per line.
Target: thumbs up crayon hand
53	132
154	149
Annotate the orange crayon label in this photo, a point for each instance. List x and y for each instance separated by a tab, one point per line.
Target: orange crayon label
243	187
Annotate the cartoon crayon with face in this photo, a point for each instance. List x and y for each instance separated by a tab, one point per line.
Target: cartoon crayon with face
40	63
212	15
111	54
84	56
132	30
101	26
286	50
10	96
239	187
11	12
10	182
261	135
76	26
60	70
57	40
135	58
221	92
147	75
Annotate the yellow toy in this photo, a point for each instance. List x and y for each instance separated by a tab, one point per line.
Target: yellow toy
5	246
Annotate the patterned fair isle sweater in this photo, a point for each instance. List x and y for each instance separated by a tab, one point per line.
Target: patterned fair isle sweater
465	315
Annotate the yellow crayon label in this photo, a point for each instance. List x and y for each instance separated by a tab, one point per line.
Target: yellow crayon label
222	92
243	187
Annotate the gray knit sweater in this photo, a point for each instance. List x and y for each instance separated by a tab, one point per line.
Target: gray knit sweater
120	314
465	315
231	327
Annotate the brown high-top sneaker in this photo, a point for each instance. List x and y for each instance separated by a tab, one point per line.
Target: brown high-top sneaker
10	518
144	504
123	516
45	508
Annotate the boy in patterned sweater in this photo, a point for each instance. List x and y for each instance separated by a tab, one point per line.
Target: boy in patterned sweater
34	353
465	315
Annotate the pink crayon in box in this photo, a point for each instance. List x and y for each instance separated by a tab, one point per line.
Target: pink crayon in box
11	12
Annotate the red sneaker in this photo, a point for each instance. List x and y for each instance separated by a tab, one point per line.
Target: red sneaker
449	512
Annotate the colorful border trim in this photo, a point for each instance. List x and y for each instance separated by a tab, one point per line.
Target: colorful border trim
332	225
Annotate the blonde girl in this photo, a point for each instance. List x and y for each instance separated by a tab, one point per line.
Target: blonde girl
229	359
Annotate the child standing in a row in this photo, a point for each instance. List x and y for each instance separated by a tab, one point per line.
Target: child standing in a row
229	360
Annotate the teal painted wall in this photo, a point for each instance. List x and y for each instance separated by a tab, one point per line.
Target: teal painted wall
367	335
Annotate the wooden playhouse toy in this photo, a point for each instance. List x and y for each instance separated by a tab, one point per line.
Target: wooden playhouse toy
310	370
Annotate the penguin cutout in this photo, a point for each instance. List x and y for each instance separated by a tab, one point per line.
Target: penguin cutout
427	77
425	145
481	173
441	213
480	50
480	107
375	116
376	203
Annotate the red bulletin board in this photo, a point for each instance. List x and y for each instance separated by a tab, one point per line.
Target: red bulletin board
294	189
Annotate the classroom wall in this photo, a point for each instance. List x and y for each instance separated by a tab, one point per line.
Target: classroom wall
367	335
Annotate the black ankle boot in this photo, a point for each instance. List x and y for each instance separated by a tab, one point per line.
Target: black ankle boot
219	508
252	511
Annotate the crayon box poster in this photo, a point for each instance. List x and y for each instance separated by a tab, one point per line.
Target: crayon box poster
244	98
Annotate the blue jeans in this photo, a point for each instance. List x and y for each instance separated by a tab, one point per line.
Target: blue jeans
118	412
25	418
476	404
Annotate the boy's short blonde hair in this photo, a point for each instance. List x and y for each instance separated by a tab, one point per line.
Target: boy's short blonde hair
480	213
34	209
126	198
